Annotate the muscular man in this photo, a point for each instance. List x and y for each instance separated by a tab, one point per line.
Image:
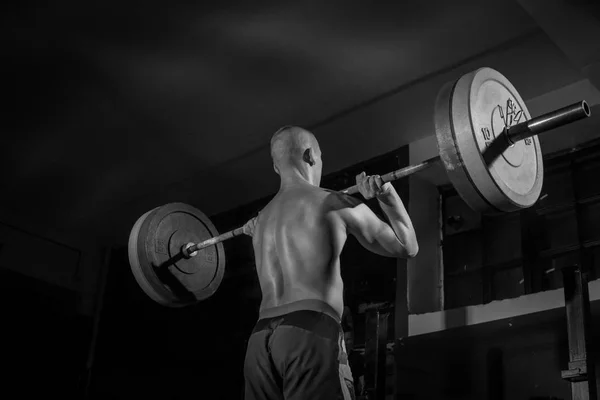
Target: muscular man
296	350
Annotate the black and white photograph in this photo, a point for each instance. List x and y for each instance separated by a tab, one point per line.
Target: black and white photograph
300	200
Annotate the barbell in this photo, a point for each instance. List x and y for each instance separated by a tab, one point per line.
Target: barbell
487	143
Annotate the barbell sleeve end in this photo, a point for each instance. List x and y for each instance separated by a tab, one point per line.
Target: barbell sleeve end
547	122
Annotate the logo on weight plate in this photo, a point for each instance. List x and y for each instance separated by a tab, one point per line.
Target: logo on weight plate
511	115
503	116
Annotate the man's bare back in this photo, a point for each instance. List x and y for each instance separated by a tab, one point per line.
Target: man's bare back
297	245
300	235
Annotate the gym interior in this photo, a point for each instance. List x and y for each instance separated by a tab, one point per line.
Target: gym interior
114	109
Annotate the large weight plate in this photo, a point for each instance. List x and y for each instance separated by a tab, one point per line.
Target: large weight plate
154	255
470	113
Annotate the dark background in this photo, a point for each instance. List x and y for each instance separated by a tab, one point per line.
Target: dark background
113	108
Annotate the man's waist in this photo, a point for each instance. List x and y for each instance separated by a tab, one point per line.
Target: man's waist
300	305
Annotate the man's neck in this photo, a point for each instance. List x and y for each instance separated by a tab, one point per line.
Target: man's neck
295	179
291	184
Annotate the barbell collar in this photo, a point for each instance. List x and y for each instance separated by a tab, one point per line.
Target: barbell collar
186	251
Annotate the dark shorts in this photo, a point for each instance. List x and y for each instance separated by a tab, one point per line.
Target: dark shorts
297	355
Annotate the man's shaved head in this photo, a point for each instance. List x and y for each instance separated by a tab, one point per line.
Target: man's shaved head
296	156
289	143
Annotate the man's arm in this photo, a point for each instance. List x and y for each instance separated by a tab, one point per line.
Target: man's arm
398	218
396	239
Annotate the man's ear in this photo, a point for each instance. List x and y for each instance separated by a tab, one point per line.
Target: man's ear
307	157
276	169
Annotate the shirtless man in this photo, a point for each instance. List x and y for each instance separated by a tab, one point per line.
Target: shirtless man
296	350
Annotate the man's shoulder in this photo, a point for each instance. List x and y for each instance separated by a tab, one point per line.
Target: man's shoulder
332	200
341	200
